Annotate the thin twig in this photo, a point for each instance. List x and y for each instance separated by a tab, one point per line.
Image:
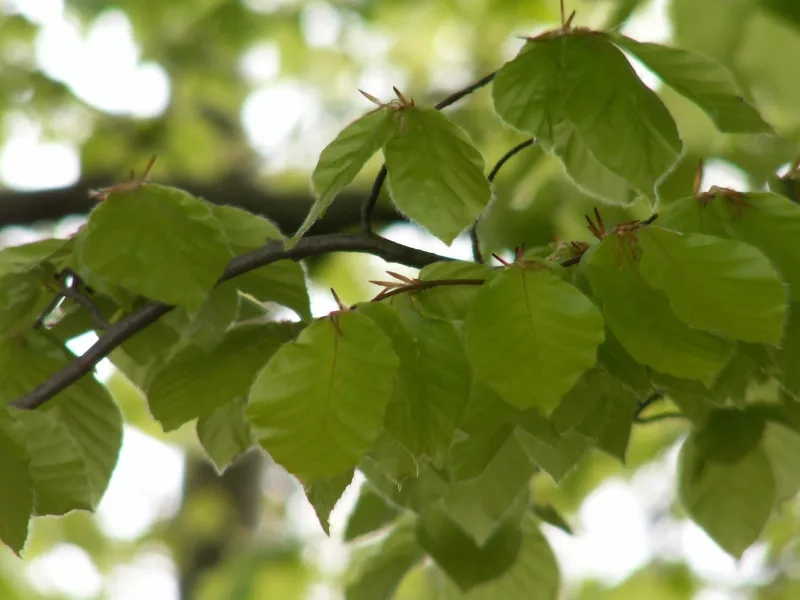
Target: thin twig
88	305
651	399
418	285
659	417
122	330
70	285
372	199
473	231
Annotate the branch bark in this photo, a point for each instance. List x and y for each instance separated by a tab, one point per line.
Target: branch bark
273	251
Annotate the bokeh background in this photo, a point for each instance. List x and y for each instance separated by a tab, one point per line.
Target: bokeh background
237	98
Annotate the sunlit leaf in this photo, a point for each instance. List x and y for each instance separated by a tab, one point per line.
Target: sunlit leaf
435	173
701	80
318	405
715	284
530	335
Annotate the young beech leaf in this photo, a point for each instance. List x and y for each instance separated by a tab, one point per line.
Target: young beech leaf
370	513
318	405
344	157
195	382
728	435
377	575
435	172
771	223
16	486
715	284
225	433
530	335
731	502
534	575
57	466
643	321
782	446
452	301
433	381
323	494
457	554
158	242
701	80
581	99
85	409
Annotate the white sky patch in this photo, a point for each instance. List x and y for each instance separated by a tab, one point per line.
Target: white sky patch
321	25
150	575
709	562
145	487
65	569
40	12
103	68
722	174
28	163
261	63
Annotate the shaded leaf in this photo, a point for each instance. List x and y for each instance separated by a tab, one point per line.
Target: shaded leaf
16	493
225	433
323	494
559	460
782	446
728	435
370	514
548	514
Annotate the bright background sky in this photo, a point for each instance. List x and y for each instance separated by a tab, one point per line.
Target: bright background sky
615	531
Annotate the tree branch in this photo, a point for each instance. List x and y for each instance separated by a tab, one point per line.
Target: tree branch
119	332
369	204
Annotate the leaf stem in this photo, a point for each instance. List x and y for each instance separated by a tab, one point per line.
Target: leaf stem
372	199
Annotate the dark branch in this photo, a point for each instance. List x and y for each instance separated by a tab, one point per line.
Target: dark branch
124	329
473	231
369	204
651	399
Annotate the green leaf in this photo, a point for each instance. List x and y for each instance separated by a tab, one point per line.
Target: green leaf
433	382
610	420
530	335
613	357
379	574
370	514
196	382
208	325
580	401
465	562
771	224
715	284
701	80
548	514
25	257
728	435
318	405
452	301
85	408
344	157
158	242
435	173
16	493
23	300
533	576
57	466
643	321
225	433
556	461
282	282
782	446
579	96
478	505
731	502
323	494
788	355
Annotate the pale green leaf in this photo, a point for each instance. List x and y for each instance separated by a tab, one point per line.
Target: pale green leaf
715	284
782	446
580	98
16	492
344	157
244	231
57	466
701	80
378	575
318	405
731	502
225	433
207	326
788	355
323	494
25	257
370	514
557	461
23	300
435	173
530	335
195	382
158	242
643	321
